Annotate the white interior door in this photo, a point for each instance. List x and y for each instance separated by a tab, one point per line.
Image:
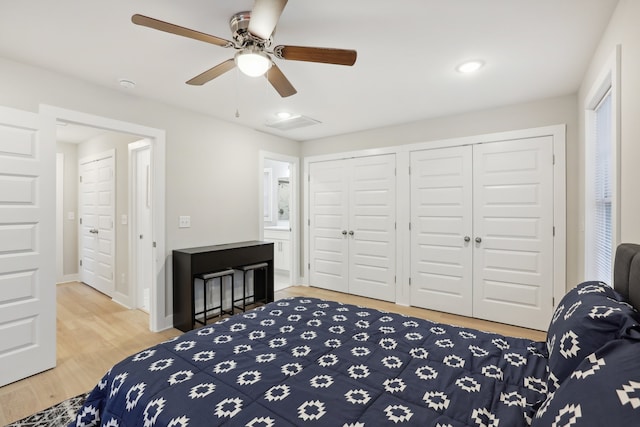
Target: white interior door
27	245
143	239
372	234
441	221
97	210
328	216
513	221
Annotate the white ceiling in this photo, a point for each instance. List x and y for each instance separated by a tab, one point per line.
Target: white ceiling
405	71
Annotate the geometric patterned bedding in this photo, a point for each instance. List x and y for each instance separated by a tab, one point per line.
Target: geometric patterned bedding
305	361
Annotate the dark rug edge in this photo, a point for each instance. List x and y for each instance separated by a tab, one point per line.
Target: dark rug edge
58	415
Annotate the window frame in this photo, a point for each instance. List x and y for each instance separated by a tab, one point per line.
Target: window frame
607	81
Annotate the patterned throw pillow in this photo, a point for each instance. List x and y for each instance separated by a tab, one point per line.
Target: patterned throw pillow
604	390
589	316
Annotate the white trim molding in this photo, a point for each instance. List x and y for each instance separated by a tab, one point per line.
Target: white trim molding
159	319
608	79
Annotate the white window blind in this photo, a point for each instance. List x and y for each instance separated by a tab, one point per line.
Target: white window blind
602	178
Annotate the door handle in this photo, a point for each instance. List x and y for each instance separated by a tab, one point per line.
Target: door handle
93	231
467	238
344	232
351	233
478	240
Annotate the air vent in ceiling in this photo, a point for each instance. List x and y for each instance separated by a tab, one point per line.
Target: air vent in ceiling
293	123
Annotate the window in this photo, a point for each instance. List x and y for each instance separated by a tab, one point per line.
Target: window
601	177
601	200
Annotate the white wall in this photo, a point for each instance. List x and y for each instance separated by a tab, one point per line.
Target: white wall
624	30
546	112
211	165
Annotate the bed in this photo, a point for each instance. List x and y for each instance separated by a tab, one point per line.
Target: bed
305	361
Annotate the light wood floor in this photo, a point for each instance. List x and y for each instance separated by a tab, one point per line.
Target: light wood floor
94	333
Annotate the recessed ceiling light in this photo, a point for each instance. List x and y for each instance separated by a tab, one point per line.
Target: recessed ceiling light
283	115
127	84
469	66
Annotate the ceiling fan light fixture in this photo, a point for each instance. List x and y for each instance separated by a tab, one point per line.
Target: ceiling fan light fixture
253	62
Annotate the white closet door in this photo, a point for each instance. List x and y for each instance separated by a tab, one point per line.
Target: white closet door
372	234
27	245
441	218
513	217
97	201
88	218
328	208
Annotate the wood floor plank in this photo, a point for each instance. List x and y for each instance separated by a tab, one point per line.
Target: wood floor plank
94	333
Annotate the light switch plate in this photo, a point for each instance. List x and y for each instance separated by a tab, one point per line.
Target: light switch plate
185	222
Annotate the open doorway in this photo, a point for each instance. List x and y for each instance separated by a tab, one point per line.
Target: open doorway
279	218
128	258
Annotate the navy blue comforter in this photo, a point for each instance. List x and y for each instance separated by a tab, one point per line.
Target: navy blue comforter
306	361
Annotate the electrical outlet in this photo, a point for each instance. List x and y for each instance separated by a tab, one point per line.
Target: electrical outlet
185	222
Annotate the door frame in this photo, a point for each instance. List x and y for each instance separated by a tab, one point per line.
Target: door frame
134	265
158	318
59	217
558	133
109	154
294	217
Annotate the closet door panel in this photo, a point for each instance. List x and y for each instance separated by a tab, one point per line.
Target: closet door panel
441	218
328	192
513	217
372	217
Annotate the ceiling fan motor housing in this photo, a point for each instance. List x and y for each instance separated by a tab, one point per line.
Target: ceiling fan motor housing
239	24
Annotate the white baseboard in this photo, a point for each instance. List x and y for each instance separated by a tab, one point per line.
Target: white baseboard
122	299
69	278
168	323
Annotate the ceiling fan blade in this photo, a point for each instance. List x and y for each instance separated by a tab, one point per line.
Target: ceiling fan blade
212	73
279	81
264	17
156	24
316	54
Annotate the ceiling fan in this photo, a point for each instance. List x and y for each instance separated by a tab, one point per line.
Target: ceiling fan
252	34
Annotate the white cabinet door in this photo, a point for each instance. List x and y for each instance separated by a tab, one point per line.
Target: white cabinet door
97	230
352	234
27	245
283	259
441	219
513	218
281	248
328	215
372	234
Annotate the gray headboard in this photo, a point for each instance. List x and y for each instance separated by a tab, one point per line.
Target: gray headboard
626	272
